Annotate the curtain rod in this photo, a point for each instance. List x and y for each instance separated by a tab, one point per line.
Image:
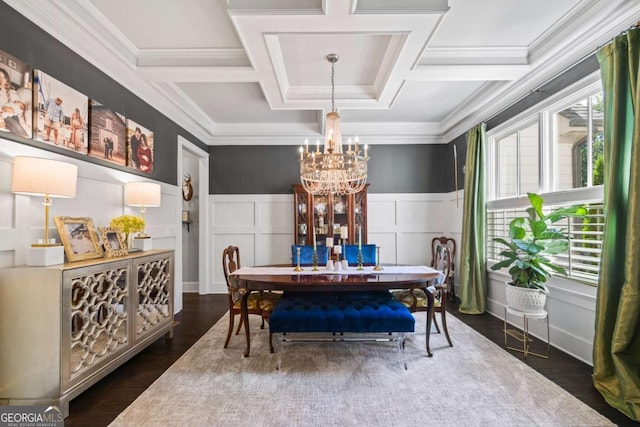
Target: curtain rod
623	32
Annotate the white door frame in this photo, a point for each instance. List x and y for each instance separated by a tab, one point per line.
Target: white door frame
204	237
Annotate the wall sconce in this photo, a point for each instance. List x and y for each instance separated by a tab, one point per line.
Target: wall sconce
48	178
143	195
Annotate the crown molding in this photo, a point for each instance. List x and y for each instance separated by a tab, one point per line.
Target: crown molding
475	55
295	134
192	57
276	7
396	7
466	72
197	74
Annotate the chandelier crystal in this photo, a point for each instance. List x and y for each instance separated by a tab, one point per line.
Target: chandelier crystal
334	170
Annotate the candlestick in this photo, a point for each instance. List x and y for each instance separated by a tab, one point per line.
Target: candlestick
314	259
306	145
359	237
329	242
300	152
314	238
317	145
377	267
344	232
298	268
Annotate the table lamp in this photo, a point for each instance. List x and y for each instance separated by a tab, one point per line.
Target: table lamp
143	195
48	178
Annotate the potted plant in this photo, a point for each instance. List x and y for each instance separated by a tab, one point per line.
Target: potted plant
529	254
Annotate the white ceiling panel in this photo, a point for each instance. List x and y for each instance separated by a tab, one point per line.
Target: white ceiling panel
240	103
499	22
417	102
169	24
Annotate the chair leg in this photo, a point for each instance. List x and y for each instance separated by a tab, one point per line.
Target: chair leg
271	343
239	326
444	326
231	319
435	322
262	326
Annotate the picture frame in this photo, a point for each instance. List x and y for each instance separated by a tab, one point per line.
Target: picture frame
60	114
108	134
16	96
112	242
140	142
79	238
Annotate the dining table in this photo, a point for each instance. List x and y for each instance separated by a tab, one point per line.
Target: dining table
323	279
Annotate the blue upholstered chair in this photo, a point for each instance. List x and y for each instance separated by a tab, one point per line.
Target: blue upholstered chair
306	254
368	254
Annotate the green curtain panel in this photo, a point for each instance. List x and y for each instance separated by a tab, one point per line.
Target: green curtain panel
616	346
473	274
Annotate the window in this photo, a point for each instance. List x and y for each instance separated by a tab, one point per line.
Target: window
554	149
578	144
518	159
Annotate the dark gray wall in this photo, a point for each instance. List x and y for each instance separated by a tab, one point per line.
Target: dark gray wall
26	41
272	169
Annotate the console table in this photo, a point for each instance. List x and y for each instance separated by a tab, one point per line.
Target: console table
248	279
64	327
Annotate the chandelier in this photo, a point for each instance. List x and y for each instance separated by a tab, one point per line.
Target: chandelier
333	171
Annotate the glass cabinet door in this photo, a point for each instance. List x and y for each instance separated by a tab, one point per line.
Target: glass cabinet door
340	215
360	215
301	219
321	219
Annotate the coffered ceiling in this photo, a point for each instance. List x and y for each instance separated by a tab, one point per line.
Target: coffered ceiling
255	71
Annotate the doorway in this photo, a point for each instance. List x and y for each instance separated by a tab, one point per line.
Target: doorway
193	216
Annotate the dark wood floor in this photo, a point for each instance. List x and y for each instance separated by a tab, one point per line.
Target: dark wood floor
100	404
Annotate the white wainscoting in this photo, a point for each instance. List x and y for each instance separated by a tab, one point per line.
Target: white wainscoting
99	195
262	227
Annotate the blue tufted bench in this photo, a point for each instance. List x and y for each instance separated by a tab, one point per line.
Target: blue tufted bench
340	312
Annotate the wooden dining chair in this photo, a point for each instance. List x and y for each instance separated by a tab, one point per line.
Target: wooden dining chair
258	303
417	300
451	244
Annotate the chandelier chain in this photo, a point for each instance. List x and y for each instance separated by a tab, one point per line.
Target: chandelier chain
333	87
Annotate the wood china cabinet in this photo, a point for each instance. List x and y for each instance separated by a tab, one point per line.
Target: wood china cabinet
328	214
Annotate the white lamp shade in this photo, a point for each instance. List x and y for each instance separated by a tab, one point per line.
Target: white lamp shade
37	176
145	194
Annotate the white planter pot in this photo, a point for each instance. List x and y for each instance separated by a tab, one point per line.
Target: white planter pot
525	299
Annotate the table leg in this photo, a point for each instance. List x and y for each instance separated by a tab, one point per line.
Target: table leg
430	306
245	318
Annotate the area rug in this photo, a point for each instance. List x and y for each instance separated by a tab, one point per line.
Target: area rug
474	383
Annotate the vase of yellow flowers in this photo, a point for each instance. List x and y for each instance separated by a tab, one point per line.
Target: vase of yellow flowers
127	224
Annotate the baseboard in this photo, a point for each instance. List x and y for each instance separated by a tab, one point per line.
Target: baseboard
190	287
